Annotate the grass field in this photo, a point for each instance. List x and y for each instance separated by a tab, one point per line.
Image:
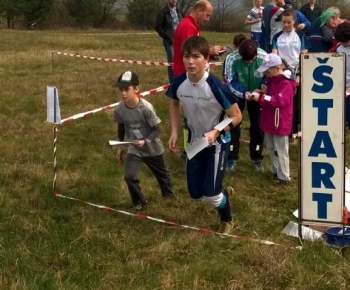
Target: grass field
53	243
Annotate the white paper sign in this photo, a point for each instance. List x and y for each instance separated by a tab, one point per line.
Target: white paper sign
196	147
292	229
53	105
223	124
119	143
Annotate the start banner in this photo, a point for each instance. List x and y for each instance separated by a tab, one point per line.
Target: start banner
322	145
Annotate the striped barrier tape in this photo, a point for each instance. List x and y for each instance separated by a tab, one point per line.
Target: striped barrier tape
55	134
142	62
88	113
81	115
142	216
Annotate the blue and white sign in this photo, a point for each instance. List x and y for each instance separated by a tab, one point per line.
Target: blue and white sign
322	152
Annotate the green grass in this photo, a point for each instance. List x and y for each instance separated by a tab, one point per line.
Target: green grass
54	243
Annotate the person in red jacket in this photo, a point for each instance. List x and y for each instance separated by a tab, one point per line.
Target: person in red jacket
190	26
276	114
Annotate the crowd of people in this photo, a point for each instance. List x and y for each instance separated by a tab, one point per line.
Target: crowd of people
262	74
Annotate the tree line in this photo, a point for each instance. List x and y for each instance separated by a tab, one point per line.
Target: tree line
228	15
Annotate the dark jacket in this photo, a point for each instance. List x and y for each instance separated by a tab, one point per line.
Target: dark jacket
320	38
164	23
311	15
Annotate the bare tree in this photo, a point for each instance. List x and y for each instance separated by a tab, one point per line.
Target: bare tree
106	9
185	5
223	9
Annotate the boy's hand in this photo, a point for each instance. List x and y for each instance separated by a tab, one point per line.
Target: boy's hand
212	136
214	50
139	143
172	144
301	26
264	88
255	96
120	154
247	95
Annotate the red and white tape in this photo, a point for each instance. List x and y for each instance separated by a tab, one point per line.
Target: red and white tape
84	114
142	62
142	216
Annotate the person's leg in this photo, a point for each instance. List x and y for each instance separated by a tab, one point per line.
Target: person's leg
256	135
282	150
262	42
233	154
215	195
268	47
157	165
132	169
269	141
196	169
170	56
256	37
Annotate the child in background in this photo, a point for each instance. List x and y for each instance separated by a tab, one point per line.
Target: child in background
254	19
239	72
288	44
206	102
137	120
342	35
276	115
237	39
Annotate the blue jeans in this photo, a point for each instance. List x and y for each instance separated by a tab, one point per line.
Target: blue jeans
169	54
256	36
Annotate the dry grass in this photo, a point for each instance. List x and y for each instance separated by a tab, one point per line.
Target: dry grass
52	243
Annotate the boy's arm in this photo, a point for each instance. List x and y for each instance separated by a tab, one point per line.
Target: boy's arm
175	113
121	132
235	87
232	112
235	114
227	68
274	46
301	19
153	135
121	136
231	75
153	121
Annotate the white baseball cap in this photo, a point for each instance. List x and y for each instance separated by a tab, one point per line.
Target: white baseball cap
270	60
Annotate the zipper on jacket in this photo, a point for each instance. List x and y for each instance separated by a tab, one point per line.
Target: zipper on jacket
277	118
249	66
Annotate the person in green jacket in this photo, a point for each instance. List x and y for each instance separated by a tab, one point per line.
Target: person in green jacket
239	73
